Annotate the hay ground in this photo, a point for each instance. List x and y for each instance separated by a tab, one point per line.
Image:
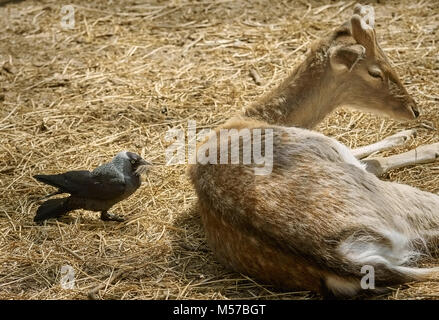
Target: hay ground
127	72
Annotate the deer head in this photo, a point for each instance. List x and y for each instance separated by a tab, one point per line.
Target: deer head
366	79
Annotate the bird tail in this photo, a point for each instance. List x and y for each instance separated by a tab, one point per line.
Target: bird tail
50	179
52	208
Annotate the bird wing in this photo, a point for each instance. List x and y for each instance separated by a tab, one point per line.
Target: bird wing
85	184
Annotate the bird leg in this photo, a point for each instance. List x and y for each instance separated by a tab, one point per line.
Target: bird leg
107	216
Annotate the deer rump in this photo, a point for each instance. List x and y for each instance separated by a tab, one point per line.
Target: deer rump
315	221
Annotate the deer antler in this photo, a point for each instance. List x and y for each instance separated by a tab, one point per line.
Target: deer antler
367	13
362	23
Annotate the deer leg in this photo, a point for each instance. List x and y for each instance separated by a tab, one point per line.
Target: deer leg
423	154
392	141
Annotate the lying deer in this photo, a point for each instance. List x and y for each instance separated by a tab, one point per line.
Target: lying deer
321	214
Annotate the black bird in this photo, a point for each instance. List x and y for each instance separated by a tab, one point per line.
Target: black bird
97	190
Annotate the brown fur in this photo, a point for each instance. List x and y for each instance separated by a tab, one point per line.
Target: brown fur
288	228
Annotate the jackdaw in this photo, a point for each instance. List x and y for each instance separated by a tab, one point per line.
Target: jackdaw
97	190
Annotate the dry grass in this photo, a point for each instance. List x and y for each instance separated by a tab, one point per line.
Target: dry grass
71	99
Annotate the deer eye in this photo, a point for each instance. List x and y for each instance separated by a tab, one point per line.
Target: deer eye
376	73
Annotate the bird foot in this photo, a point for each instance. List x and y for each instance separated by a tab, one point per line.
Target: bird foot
107	216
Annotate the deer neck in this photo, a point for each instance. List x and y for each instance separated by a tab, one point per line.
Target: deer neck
304	98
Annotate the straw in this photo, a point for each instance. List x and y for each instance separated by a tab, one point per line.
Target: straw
126	73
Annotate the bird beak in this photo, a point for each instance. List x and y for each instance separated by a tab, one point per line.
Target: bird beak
142	167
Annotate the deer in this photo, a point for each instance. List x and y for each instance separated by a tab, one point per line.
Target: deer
321	214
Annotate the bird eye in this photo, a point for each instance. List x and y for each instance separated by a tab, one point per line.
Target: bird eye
133	161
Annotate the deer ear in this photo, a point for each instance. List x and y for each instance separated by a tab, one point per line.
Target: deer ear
344	58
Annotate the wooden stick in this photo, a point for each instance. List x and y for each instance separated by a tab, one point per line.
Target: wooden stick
93	293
